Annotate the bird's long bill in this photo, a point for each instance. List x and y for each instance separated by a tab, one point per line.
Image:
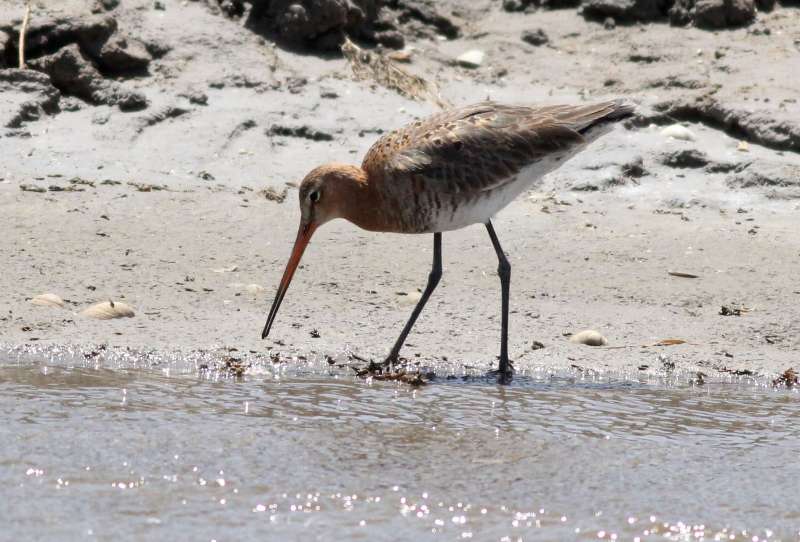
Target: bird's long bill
303	237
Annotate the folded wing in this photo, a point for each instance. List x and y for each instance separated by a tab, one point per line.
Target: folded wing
482	146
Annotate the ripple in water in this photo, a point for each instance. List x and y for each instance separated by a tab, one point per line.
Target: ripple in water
151	447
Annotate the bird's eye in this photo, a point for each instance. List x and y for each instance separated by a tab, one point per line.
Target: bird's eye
313	197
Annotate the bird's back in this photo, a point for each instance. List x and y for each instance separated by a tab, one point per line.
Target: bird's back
452	168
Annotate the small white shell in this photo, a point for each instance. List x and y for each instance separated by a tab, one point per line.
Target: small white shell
48	300
230	269
411	298
254	289
589	337
676	131
108	310
471	59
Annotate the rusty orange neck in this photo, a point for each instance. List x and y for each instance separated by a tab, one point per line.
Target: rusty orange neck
358	200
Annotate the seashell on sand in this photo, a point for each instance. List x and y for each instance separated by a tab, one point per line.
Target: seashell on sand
589	337
48	300
108	310
471	59
410	298
254	289
676	131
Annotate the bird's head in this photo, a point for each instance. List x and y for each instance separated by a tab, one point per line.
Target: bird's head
326	193
321	193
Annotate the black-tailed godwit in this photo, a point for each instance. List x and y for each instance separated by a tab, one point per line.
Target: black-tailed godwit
442	173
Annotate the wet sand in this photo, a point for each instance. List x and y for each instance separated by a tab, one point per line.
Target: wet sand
580	266
590	246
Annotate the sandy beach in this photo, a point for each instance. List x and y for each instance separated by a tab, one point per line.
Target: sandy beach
186	208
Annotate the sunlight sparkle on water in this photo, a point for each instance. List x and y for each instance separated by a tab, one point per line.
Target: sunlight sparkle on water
315	451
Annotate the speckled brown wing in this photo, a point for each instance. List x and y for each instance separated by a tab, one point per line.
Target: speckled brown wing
479	147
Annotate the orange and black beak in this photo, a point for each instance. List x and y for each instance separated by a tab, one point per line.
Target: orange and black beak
303	237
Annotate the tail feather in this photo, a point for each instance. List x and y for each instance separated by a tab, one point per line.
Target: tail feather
587	117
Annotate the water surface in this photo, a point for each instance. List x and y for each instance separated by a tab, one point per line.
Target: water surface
145	451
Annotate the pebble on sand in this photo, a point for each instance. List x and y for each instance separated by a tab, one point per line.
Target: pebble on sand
471	59
676	131
535	37
48	300
108	310
589	337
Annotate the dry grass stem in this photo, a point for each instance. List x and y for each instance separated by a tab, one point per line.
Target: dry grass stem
22	32
374	66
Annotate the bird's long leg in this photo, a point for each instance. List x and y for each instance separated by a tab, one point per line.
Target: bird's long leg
433	280
505	369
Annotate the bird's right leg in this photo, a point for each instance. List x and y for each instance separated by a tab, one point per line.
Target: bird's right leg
506	368
433	280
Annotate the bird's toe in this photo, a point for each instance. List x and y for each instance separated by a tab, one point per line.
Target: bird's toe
504	374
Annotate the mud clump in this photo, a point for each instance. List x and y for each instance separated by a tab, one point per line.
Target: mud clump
706	14
31	95
302	132
76	54
234	367
195	96
635	168
74	74
625	10
788	378
121	55
712	14
322	25
271	194
685	158
733	310
778	131
97	36
157	117
313	24
46	36
529	6
5	42
413	379
778	181
422	18
535	37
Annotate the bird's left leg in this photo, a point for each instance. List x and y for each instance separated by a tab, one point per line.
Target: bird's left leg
433	279
506	369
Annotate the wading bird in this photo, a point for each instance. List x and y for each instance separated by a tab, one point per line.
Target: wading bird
442	173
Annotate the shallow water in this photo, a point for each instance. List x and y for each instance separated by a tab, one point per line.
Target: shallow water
145	451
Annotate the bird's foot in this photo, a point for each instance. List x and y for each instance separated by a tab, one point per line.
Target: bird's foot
504	374
387	366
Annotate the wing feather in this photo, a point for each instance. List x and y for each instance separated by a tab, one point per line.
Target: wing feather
482	146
